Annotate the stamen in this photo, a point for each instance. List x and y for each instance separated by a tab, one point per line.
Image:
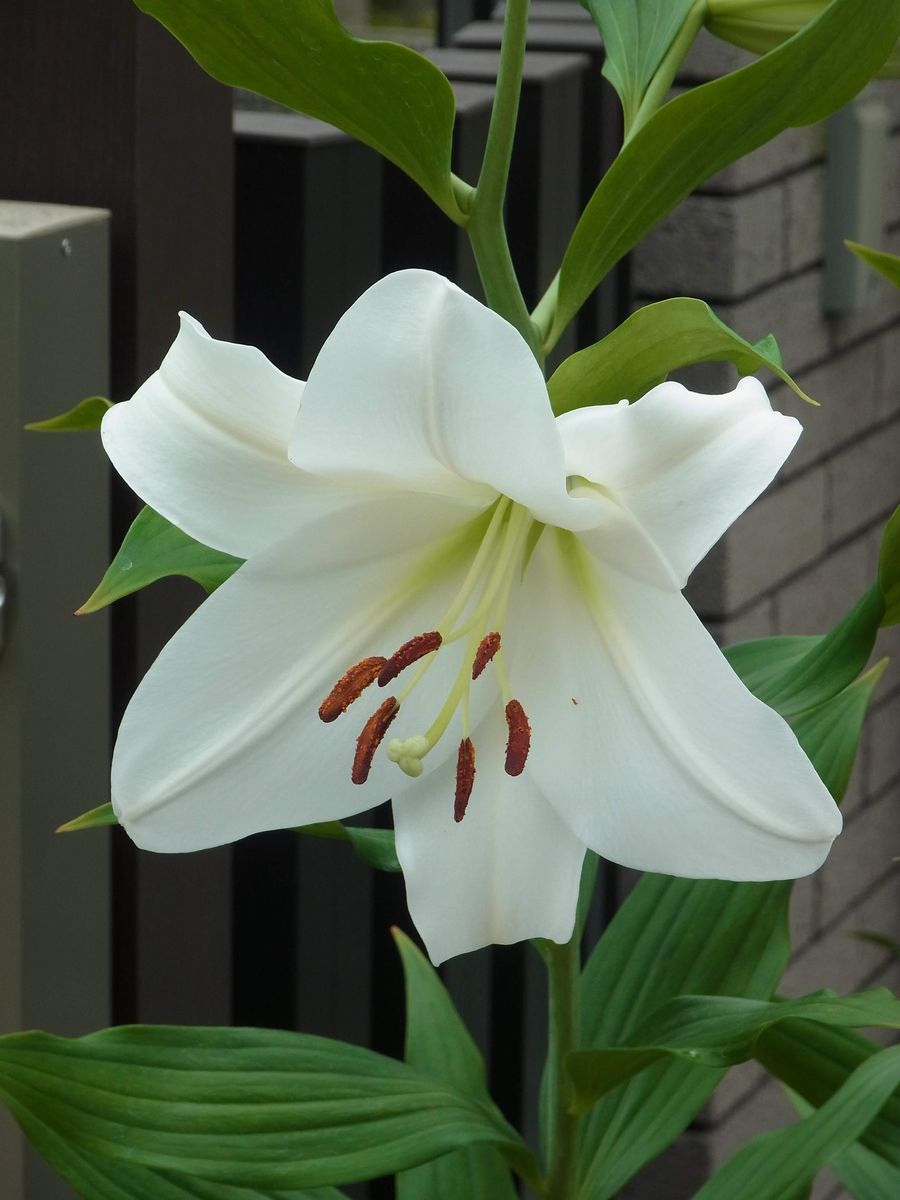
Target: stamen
350	687
370	738
518	742
465	778
409	652
487	648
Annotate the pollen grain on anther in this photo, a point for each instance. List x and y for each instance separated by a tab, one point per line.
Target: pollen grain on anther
350	687
370	739
487	648
465	778
409	652
518	741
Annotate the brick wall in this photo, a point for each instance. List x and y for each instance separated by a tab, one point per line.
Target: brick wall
750	243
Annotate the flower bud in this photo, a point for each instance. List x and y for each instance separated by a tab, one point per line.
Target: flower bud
760	25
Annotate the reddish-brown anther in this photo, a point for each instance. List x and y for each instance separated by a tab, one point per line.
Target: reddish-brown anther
350	687
409	652
465	778
518	742
370	738
487	648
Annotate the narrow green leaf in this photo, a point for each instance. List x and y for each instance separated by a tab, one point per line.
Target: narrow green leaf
94	818
875	938
816	1060
297	53
677	937
697	134
830	732
373	846
887	265
718	1031
87	414
648	346
636	35
889	570
439	1045
97	1178
772	1166
671	937
864	1174
244	1107
795	674
152	549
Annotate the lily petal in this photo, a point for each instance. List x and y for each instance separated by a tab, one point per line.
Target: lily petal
645	740
421	387
223	738
686	465
508	871
204	442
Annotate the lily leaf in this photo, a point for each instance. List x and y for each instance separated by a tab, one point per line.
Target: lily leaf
864	1174
648	346
676	937
816	1060
636	35
887	265
775	1165
94	818
152	549
297	53
698	133
717	1031
87	414
793	674
247	1108
889	570
439	1045
373	846
97	1178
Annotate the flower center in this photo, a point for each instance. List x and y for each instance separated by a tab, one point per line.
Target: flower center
475	617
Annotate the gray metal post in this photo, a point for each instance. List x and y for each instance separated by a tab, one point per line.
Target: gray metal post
54	669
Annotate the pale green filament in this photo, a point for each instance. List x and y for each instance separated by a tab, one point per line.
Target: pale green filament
515	523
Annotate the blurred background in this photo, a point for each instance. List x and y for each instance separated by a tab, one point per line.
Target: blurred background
132	186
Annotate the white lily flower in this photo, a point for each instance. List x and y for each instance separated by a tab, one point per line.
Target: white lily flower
413	516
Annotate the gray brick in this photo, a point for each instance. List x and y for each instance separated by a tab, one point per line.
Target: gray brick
765	1110
805	213
711	57
883	760
734	1090
778	535
839	960
861	855
756	622
888	396
790	151
716	247
847	389
816	601
863	481
792	310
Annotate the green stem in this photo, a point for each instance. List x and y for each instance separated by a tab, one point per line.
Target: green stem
668	69
486	227
563	971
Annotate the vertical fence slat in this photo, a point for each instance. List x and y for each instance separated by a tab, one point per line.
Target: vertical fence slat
54	704
102	107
